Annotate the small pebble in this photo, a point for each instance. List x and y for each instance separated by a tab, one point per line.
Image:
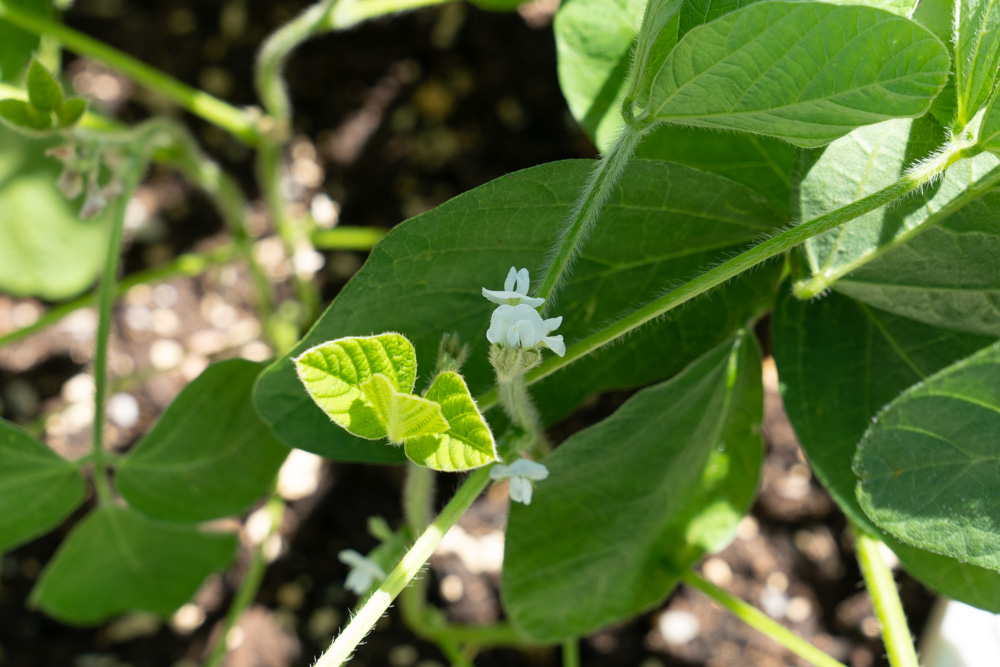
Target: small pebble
678	627
165	354
123	410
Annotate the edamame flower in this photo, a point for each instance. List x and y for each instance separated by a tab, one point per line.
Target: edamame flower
515	290
522	326
521	474
364	572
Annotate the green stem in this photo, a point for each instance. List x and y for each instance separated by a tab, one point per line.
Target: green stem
571	653
212	109
349	13
106	299
274	54
411	563
247	591
584	215
760	622
347	238
885	599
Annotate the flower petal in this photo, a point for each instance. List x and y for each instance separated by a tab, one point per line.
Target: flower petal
508	285
552	323
523	281
520	490
556	344
528	469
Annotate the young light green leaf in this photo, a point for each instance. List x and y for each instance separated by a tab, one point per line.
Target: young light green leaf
209	455
16	44
468	442
929	467
805	72
44	91
46	250
425	278
633	501
71	111
404	415
38	488
334	372
865	161
839	361
22	115
977	55
118	560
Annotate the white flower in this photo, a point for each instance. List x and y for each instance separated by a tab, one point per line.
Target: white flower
509	295
520	473
522	326
364	572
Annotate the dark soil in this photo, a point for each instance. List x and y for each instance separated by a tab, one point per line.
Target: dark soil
395	117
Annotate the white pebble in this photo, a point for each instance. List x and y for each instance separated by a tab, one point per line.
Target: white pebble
678	627
165	354
123	410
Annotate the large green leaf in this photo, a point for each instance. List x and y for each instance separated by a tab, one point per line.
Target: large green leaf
805	72
46	250
468	443
209	455
977	54
839	361
593	39
118	560
38	488
593	47
16	45
635	500
865	161
424	279
946	276
930	467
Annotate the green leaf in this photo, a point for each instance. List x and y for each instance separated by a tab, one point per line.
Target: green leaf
38	488
20	114
46	250
209	455
404	416
593	49
760	163
977	56
16	44
71	111
44	91
468	443
805	72
334	372
118	560
929	467
655	40
425	279
635	500
865	161
839	361
497	5
945	276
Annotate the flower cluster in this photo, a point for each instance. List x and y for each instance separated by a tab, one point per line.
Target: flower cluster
516	323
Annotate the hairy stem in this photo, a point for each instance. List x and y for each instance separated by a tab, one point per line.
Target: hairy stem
587	210
349	13
212	109
885	599
411	563
757	620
